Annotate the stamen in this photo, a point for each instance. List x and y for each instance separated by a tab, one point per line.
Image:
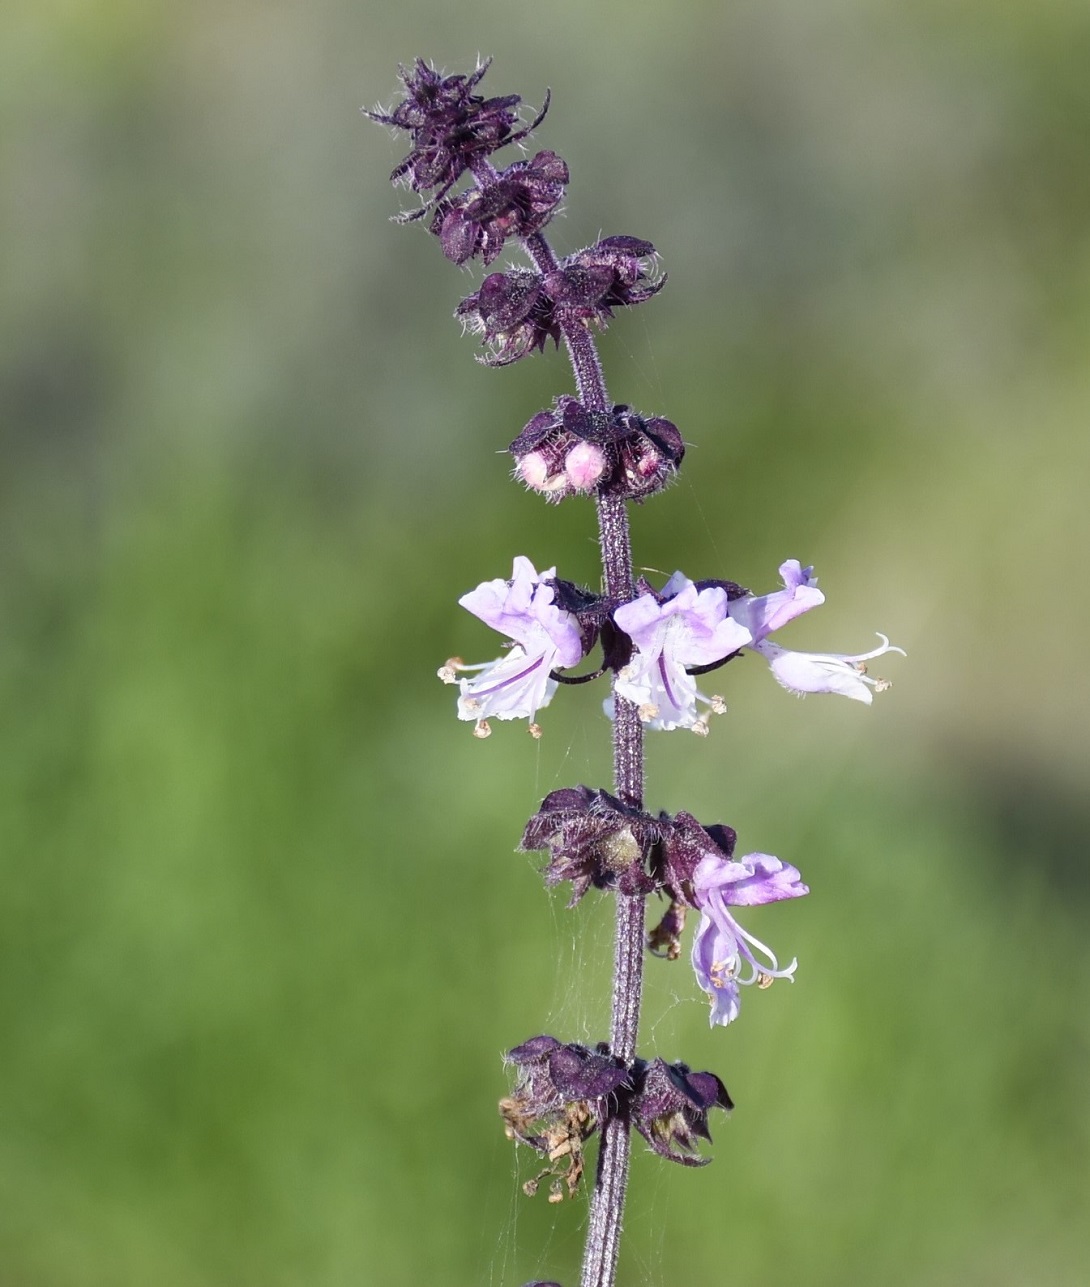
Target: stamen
773	966
482	729
448	671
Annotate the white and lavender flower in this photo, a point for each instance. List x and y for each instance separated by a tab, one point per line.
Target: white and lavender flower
806	672
725	957
827	672
682	628
762	614
692	627
518	684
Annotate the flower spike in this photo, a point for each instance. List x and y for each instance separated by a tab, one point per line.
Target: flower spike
655	644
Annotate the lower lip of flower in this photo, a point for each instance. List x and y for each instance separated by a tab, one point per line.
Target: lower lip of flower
475	697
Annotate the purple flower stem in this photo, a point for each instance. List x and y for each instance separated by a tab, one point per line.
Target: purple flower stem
590	381
611	1177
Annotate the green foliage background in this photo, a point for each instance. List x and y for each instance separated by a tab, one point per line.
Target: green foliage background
262	934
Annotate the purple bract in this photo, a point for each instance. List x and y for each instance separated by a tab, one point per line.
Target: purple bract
452	128
516	312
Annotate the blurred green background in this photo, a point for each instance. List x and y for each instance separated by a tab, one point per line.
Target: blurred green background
263	934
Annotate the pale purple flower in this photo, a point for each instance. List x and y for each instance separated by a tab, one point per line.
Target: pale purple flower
516	685
725	957
763	614
680	628
805	672
826	672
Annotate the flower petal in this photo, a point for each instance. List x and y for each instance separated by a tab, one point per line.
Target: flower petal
816	672
763	614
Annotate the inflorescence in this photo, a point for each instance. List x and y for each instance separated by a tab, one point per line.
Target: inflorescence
657	645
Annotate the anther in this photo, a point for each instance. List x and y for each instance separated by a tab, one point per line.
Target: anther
448	671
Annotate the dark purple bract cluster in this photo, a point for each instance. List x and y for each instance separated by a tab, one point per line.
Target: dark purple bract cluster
563	1091
517	311
452	128
518	202
569	449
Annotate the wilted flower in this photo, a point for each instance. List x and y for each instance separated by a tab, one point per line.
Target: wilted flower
670	1109
518	684
558	1102
563	1091
594	839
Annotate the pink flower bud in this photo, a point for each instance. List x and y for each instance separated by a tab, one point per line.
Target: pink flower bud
649	462
584	465
533	469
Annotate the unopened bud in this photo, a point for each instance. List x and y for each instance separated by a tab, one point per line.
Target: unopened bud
648	463
584	465
533	469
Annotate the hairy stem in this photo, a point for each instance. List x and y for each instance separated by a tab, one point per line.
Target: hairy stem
611	1177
